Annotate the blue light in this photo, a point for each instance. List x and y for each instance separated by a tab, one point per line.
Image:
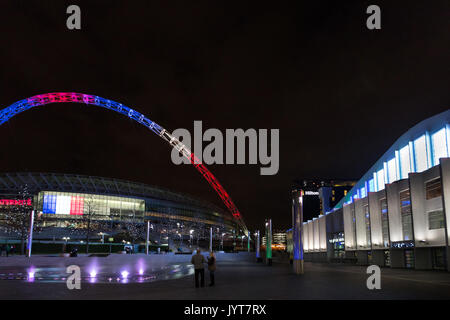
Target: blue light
49	204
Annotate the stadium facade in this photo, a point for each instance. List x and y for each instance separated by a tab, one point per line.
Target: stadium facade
398	213
68	202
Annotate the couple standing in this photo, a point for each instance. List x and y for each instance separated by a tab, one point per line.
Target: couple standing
198	260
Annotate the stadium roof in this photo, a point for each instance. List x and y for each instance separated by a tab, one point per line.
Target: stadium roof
37	181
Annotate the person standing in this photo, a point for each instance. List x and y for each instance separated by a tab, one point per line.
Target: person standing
198	261
211	268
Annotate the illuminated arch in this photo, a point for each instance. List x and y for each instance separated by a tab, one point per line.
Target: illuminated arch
62	97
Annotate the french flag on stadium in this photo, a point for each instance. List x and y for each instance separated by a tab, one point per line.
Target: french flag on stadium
70	205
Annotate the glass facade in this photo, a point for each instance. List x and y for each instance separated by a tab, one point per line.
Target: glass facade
367	222
79	204
384	222
405	163
406	215
420	154
380	180
392	172
439	145
436	220
433	189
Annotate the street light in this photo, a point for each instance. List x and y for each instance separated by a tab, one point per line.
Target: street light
65	243
103	236
222	239
191	237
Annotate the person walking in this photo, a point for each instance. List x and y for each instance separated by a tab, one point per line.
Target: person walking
198	261
211	268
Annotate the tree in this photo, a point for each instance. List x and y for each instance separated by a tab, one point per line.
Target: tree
17	216
90	209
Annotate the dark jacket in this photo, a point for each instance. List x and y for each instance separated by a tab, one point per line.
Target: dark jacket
211	264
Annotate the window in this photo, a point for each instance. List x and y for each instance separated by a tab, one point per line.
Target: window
367	222
436	219
392	173
363	192
49	204
405	164
380	179
371	185
406	216
433	189
420	154
439	146
384	221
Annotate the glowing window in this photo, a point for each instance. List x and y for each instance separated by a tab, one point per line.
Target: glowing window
439	146
392	173
420	154
405	164
363	192
77	206
63	204
49	204
380	179
371	185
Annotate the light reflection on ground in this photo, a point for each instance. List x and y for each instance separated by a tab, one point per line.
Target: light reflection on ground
58	275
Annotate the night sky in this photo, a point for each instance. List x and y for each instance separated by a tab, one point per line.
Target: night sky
339	93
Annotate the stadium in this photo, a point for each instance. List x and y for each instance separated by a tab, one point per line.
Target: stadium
79	208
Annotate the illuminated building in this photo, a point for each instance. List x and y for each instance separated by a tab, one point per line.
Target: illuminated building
398	213
65	202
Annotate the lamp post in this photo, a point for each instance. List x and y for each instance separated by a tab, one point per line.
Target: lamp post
269	242
30	234
191	238
297	231
258	244
210	240
148	238
65	243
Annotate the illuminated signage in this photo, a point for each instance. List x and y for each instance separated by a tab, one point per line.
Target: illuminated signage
58	204
336	240
12	202
402	244
311	193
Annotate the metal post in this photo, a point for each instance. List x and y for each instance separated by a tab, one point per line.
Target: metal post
210	240
30	234
297	232
148	237
269	242
258	244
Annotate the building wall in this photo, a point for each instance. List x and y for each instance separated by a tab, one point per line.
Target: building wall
350	241
361	235
316	234
322	233
393	199
421	207
445	175
375	218
310	236
305	237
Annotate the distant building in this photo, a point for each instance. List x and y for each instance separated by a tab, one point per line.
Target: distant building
321	195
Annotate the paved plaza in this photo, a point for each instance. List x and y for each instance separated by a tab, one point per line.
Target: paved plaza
237	277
